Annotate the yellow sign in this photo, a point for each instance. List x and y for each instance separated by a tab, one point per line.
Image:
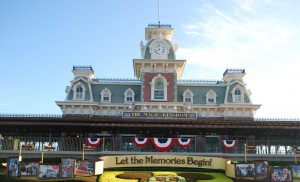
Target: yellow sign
163	161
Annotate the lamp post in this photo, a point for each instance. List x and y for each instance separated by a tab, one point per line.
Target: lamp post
24	147
246	147
43	149
88	148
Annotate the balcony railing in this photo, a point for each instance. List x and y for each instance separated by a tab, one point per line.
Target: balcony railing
108	143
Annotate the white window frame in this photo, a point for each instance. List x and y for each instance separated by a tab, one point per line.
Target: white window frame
188	95
106	95
164	89
75	94
211	95
238	94
127	95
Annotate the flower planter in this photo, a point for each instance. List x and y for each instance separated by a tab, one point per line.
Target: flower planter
166	179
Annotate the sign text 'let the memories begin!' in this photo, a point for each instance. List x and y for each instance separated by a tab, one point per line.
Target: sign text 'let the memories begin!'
151	160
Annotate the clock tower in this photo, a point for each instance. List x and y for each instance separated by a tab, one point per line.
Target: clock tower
158	68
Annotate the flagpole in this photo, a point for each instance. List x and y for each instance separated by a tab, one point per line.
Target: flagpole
158	13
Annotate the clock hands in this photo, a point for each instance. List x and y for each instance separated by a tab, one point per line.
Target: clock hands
159	49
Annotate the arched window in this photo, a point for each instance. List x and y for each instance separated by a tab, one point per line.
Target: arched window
106	95
78	91
238	94
211	97
159	88
188	96
129	95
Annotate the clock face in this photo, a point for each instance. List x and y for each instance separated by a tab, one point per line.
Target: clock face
159	49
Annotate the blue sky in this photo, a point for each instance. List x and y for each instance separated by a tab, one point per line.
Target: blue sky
40	41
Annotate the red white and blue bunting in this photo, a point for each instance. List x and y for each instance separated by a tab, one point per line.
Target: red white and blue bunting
184	142
140	141
162	144
229	144
94	142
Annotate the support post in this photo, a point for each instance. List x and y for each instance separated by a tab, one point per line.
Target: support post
42	161
83	146
20	153
103	141
295	153
245	148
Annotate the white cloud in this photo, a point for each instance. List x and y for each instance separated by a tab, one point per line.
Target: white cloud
248	38
247	5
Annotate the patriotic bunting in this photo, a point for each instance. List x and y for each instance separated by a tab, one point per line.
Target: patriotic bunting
94	142
162	144
184	142
229	144
140	141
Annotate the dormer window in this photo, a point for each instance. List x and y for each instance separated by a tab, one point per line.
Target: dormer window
79	91
159	88
129	95
106	95
238	94
211	97
188	96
